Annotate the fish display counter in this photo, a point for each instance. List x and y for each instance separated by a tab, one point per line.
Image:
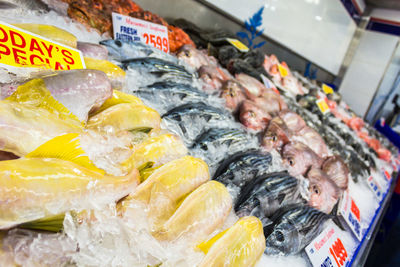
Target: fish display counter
196	152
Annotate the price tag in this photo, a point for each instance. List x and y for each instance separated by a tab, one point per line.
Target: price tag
351	214
136	30
375	187
327	89
327	249
20	48
238	45
283	71
322	105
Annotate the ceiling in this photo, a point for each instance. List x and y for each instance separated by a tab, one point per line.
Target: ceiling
390	4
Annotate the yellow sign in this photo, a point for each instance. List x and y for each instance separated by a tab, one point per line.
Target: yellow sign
20	48
282	70
327	89
322	105
238	44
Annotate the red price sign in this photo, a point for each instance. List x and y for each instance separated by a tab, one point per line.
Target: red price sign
156	41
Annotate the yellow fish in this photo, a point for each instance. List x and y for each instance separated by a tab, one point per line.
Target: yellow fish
125	117
168	185
58	93
241	245
178	177
155	151
113	72
35	188
24	128
200	213
118	97
51	32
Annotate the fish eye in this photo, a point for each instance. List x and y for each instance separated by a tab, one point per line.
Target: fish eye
315	189
279	236
291	162
187	53
118	43
274	138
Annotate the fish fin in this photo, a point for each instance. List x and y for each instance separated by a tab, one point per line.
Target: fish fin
335	217
34	93
183	128
206	245
145	170
141	130
65	147
51	224
207	117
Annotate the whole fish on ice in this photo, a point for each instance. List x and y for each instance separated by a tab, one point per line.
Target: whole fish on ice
293	228
298	158
241	168
192	118
266	194
324	193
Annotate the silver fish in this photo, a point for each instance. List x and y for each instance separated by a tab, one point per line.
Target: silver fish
191	118
242	168
293	228
268	193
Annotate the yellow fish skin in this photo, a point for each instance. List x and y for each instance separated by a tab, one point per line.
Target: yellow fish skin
167	186
125	117
23	129
241	245
178	178
156	150
113	72
118	97
59	92
35	188
201	213
51	32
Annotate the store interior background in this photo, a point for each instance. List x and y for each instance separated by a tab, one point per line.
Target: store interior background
344	42
351	44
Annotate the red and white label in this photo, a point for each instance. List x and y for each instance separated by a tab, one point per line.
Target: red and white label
351	214
136	30
327	249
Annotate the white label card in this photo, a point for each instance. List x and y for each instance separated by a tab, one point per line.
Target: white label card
327	249
351	214
136	30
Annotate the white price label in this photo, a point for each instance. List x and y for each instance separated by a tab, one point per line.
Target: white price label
375	187
327	249
136	30
351	214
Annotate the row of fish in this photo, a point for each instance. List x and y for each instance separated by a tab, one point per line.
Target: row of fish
55	127
244	144
211	132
